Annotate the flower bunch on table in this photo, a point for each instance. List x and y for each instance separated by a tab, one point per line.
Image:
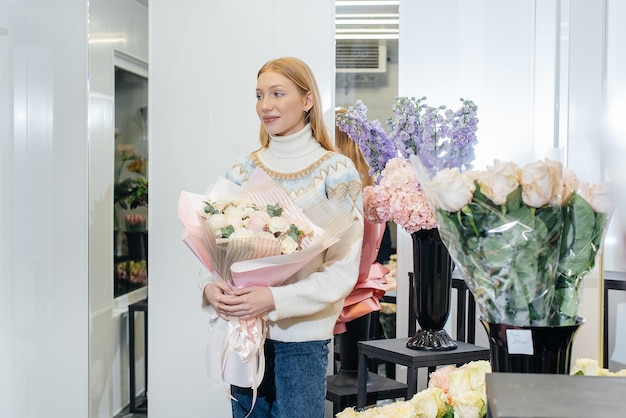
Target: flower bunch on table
441	137
453	392
522	237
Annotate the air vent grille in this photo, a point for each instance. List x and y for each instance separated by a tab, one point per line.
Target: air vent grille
360	55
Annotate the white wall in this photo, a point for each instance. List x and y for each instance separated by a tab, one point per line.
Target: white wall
114	26
536	72
43	209
204	56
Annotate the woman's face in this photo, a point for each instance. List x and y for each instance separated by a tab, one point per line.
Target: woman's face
281	106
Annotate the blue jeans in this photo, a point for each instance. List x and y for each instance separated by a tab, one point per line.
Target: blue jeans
294	385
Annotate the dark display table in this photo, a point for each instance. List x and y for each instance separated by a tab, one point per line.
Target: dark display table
395	351
520	395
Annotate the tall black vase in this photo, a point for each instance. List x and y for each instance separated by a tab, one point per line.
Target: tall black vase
356	330
531	349
431	285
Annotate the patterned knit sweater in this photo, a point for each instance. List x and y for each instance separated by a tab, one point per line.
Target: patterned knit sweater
308	303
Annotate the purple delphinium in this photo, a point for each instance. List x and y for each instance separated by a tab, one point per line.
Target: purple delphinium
370	137
440	137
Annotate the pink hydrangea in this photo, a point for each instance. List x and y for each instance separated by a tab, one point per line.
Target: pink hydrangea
398	198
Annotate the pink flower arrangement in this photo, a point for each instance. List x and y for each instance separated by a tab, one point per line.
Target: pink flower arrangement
399	198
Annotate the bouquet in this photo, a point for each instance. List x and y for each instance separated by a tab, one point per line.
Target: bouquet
453	392
511	234
251	235
440	137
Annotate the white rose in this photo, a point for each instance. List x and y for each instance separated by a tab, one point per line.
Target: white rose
277	225
429	402
586	366
235	220
450	189
477	371
537	184
468	405
217	221
498	181
288	245
599	197
459	382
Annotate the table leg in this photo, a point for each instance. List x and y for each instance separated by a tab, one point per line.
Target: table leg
361	394
605	330
411	382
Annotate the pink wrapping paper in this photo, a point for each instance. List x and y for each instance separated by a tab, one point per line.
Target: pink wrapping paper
371	284
235	352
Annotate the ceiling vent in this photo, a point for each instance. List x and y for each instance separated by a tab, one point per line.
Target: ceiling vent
361	56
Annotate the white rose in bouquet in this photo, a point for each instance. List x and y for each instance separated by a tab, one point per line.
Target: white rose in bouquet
451	190
498	181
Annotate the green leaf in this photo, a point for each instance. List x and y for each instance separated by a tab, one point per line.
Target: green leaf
226	232
274	210
514	199
294	232
209	208
577	254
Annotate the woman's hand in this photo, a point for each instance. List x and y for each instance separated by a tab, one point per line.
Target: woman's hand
214	292
246	303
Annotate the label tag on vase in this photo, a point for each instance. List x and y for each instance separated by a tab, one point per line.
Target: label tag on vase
519	341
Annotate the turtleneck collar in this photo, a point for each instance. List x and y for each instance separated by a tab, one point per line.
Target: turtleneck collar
295	145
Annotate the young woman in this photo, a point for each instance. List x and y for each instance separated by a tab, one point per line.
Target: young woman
297	152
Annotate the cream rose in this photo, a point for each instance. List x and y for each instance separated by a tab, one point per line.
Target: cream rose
277	224
459	381
537	183
498	181
477	371
468	405
429	403
217	221
451	189
586	366
288	245
257	221
439	378
599	197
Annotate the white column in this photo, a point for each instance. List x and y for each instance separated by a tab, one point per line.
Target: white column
204	57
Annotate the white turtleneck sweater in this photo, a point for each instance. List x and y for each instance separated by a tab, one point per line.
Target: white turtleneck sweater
295	151
309	302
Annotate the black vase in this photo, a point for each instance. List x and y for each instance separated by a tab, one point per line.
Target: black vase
531	349
431	285
137	245
356	330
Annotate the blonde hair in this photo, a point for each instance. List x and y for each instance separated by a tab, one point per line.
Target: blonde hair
301	75
350	149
